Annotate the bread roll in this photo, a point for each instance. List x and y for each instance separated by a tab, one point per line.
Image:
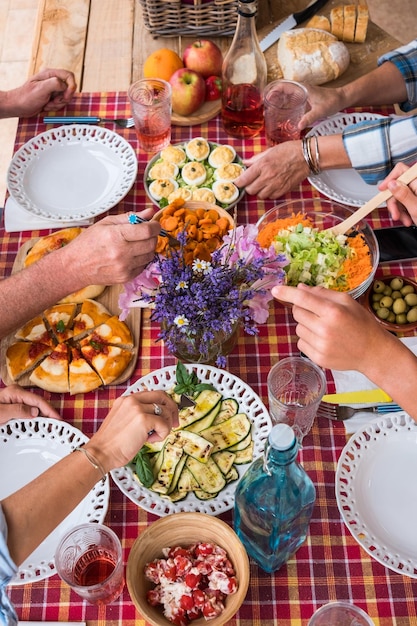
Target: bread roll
311	55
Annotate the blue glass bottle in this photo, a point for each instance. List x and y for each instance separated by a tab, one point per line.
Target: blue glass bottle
274	501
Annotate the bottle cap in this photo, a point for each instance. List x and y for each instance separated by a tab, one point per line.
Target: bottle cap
281	437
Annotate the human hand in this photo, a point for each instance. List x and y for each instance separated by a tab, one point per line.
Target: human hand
275	171
111	251
403	204
324	317
49	90
127	427
323	102
17	403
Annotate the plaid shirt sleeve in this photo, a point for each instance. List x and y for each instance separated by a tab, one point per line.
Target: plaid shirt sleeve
405	59
374	147
7	570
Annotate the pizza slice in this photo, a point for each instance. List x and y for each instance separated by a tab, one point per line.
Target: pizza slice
91	314
108	361
35	330
111	332
59	318
52	373
23	356
82	377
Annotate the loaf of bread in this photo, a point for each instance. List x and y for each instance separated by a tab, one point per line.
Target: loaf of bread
347	22
311	55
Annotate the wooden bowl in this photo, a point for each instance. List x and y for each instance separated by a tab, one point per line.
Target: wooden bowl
391	326
194	205
184	529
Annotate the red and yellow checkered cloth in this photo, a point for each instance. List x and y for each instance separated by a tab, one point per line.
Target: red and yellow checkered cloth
330	565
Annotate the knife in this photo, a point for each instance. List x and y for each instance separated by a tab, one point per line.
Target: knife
357	397
290	22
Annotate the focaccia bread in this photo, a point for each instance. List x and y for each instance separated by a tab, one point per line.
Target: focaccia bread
312	55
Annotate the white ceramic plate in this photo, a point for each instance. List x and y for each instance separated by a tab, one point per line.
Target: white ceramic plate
154	159
344	186
376	491
72	173
231	387
27	449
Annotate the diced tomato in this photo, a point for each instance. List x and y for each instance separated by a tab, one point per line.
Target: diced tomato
153	597
152	572
192	580
212	609
183	565
179	617
204	549
178	551
194	613
186	602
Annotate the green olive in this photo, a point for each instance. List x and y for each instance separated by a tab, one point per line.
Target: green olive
376	306
396	294
382	313
379	286
401	319
407	289
387	291
399	306
411	299
386	302
391	318
376	297
396	283
412	315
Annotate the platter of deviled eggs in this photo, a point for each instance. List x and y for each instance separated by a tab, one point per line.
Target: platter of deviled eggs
197	170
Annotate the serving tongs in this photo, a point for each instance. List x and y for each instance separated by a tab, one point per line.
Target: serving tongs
373	203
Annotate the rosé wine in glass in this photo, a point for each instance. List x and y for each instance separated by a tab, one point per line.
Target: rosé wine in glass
151	107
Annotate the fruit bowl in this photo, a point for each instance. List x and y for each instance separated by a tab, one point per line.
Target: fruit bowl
325	214
184	529
372	297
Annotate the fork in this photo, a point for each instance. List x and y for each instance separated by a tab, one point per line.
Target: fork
341	412
121	123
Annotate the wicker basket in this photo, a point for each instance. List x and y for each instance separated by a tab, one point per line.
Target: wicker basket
172	17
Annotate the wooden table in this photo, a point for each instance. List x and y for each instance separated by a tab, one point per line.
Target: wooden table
105	45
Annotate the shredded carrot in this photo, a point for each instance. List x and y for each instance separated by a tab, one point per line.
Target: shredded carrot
267	234
359	266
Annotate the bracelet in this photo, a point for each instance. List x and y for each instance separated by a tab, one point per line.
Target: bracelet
313	163
93	462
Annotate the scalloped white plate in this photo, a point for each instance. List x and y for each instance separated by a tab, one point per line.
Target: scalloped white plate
28	447
376	491
231	387
345	186
72	173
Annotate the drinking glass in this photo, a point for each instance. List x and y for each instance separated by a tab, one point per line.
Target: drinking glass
151	106
340	614
285	102
295	389
89	559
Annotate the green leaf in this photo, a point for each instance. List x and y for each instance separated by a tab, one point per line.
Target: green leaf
143	468
204	386
60	327
181	373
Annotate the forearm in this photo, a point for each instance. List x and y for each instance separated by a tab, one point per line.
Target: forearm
332	153
25	294
35	510
384	85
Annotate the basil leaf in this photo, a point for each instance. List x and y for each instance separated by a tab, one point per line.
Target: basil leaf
60	327
204	386
143	468
182	375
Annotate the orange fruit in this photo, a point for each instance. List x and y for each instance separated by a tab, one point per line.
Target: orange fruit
162	64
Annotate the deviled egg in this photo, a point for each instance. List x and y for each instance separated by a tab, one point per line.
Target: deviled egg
173	154
194	173
163	169
225	191
221	155
182	192
162	188
228	172
197	149
203	194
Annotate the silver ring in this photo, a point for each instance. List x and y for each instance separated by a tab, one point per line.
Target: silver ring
157	409
150	432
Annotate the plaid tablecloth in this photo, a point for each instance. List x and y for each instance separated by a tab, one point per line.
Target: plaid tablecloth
330	565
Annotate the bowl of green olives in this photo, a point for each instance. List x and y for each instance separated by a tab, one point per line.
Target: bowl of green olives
393	301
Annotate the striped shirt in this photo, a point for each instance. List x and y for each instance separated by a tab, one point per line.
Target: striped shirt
7	570
375	146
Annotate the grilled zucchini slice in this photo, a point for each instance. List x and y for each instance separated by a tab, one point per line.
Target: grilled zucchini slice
204	403
228	433
208	475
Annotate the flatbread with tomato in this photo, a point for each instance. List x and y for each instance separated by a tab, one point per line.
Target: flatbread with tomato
23	356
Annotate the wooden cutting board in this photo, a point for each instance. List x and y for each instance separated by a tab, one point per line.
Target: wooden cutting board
109	298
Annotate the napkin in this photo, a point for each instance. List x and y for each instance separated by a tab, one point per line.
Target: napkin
17	219
350	380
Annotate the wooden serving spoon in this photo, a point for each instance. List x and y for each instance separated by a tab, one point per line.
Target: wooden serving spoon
373	203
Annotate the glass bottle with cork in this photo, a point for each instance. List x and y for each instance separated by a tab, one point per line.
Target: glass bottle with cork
244	75
274	502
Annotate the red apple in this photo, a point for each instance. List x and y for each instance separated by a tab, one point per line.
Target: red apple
188	91
203	56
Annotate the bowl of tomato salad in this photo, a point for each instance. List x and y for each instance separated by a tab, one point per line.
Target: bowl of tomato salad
188	568
299	229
